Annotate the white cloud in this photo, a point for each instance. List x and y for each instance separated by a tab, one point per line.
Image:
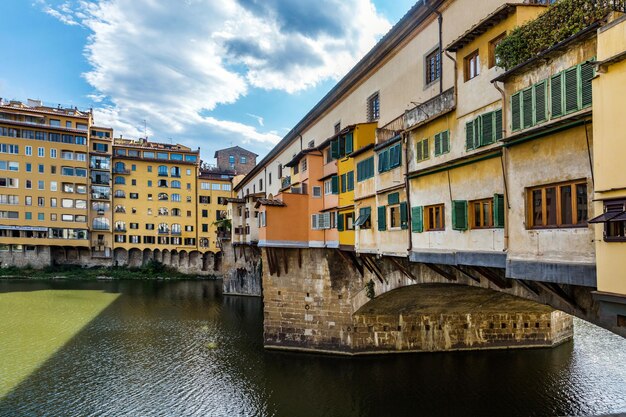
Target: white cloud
171	63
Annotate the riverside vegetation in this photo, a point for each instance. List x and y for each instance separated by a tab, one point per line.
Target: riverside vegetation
151	270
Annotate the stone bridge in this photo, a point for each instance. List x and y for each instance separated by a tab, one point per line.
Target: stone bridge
327	300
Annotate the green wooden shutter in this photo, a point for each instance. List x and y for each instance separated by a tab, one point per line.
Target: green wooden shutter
540	102
446	141
459	215
556	95
516	105
417	219
487	129
340	222
527	107
438	144
349	143
334	149
382	218
343	183
469	136
571	90
360	167
334	184
498	210
350	177
498	124
404	215
393	198
477	131
426	148
586	74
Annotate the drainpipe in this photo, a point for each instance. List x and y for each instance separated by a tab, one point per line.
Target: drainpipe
503	159
407	183
456	79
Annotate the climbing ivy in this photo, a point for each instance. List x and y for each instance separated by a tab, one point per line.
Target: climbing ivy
369	290
563	19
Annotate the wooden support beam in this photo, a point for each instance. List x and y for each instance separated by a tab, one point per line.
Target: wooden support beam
402	269
467	274
285	260
235	252
350	258
557	291
372	267
528	285
275	261
442	272
492	277
270	262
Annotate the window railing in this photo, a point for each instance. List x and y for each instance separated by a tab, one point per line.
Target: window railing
122	171
561	21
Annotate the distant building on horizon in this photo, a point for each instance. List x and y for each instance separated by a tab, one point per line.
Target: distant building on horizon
236	158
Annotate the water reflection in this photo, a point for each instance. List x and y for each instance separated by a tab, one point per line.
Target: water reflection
182	348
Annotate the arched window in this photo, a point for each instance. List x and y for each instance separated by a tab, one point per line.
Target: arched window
162	183
204	242
175	184
176	197
120	180
176	229
120	209
120	226
164	228
163	197
119	168
120	194
175	212
162	171
101	223
163	211
175	171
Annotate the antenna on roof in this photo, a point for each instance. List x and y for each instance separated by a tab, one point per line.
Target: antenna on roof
145	129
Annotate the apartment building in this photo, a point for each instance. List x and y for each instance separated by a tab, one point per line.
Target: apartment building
154	194
214	187
44	166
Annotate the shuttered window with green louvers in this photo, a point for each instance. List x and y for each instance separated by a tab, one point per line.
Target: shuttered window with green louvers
365	169
404	215
383	161
340	220
442	143
395	156
334	184
556	95
417	219
350	180
587	73
498	210
571	90
382	218
393	198
459	215
540	102
349	143
516	111
422	151
483	130
527	107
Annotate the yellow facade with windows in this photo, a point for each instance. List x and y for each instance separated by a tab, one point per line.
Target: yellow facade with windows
43	176
154	195
213	189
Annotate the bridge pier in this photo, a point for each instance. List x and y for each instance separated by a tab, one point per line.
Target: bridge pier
319	300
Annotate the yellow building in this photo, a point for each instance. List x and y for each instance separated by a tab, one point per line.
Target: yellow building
213	188
609	148
154	195
44	180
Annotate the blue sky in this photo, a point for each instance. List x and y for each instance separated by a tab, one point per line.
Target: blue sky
205	73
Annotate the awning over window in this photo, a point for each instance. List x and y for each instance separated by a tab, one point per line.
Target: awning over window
609	216
360	221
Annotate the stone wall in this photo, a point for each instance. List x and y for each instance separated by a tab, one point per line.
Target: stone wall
240	267
38	258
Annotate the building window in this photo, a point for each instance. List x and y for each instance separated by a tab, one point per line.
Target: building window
442	143
472	65
433	66
394	217
614	219
337	128
317	191
303	165
481	213
422	151
558	205
493	59
373	108
243	160
434	217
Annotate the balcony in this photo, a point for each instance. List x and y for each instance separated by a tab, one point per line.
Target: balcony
175	175
560	22
100	227
176	233
100	181
100	196
121	229
286	182
121	171
430	109
164	232
101	167
163	174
